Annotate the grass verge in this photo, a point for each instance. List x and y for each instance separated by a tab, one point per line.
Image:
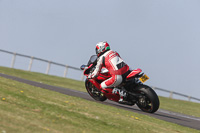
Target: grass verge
179	106
24	108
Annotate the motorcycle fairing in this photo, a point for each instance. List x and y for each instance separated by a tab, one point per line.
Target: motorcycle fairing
109	94
87	70
133	73
103	76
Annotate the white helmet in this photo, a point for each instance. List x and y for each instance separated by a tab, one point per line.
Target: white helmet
101	47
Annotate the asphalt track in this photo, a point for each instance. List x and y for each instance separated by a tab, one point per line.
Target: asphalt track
180	119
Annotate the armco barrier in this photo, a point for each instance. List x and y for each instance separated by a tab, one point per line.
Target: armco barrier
66	67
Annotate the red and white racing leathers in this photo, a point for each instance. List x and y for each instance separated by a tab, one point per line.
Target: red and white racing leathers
116	67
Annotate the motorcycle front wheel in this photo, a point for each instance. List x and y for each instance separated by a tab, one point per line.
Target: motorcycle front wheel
94	92
148	100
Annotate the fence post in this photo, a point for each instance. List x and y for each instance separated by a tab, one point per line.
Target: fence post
13	60
30	64
82	77
65	72
189	98
171	95
48	67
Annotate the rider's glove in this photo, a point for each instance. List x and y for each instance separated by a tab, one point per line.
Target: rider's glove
90	76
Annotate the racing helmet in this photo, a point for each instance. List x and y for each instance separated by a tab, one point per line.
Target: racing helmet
102	47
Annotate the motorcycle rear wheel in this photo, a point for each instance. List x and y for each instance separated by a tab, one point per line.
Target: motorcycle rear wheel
94	92
148	101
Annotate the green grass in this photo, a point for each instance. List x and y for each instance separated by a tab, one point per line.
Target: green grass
29	109
46	79
180	106
184	107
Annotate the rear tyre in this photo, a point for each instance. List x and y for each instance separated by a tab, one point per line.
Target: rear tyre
148	101
94	92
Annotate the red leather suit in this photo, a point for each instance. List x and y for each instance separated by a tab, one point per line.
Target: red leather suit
115	65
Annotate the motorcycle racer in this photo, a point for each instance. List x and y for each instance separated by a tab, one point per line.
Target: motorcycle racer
110	60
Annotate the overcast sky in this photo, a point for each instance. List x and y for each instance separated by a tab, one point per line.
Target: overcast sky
162	37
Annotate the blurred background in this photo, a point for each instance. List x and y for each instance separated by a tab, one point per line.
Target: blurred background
160	37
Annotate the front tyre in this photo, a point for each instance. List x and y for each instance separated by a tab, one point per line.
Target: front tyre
148	101
94	92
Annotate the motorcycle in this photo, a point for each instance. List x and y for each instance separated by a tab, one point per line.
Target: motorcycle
138	93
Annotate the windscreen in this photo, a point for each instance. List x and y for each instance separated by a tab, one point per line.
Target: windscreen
93	60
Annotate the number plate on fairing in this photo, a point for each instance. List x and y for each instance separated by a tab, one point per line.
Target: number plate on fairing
144	78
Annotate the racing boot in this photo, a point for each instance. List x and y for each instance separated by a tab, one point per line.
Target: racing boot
123	96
